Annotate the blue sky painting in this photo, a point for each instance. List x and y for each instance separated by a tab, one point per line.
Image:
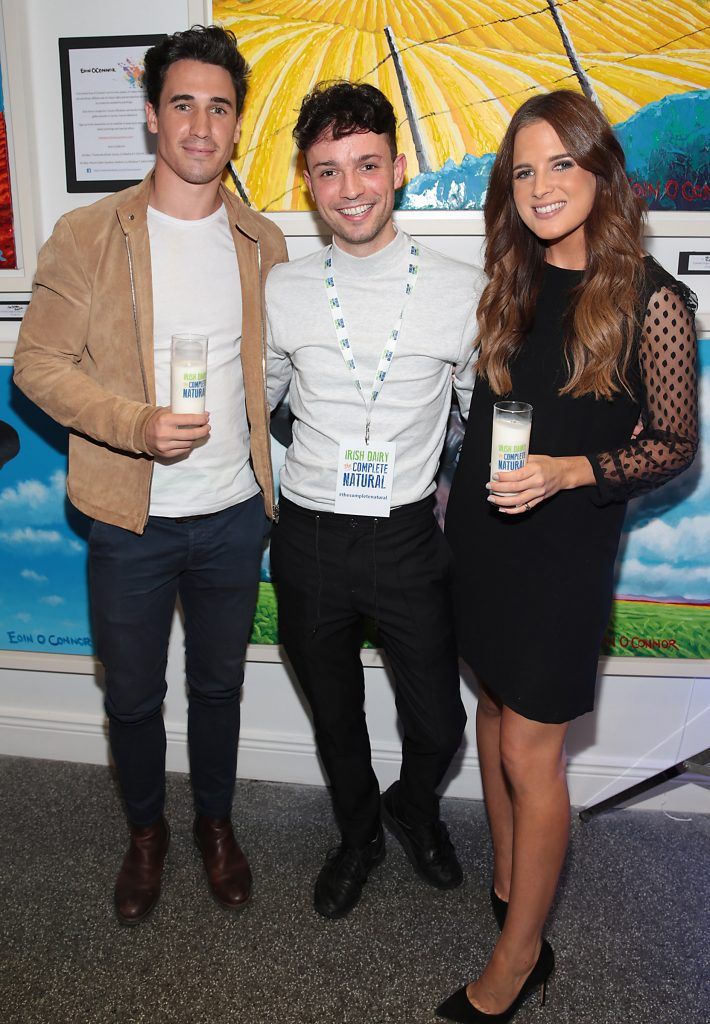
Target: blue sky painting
43	599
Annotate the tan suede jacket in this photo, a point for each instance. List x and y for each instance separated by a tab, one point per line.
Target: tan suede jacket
85	352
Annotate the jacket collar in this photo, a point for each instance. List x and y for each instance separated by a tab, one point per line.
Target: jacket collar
132	211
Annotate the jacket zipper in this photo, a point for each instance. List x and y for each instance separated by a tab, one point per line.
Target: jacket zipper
274	506
135	319
140	352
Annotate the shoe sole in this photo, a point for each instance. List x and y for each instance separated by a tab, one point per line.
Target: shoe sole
344	913
233	908
403	839
131	922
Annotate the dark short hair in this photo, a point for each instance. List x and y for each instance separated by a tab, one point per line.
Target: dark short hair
344	108
210	45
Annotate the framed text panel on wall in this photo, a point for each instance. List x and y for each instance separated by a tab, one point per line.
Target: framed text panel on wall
106	142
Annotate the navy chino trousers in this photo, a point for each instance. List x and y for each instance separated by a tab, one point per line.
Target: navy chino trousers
331	572
212	564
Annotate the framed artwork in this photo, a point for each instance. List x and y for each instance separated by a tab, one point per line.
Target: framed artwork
44	603
661	607
661	611
106	143
17	244
456	73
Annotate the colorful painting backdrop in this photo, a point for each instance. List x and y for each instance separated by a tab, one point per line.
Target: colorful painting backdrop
457	69
662	608
8	257
43	598
663	590
463	67
43	551
662	604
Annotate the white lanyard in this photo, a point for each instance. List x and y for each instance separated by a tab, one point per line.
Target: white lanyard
341	330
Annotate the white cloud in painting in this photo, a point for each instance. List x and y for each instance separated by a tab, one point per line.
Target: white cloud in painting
688	493
52	599
23	616
685	544
665	561
34	577
663	582
34	501
669	558
39	541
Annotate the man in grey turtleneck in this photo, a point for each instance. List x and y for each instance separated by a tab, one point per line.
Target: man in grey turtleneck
368	334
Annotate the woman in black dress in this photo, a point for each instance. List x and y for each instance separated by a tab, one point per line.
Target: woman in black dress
597	338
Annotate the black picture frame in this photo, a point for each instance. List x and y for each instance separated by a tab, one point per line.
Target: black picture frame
66	47
684	261
12	309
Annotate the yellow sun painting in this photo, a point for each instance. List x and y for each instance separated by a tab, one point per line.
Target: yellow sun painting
455	70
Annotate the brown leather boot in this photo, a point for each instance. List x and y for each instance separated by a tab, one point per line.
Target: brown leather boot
227	868
138	883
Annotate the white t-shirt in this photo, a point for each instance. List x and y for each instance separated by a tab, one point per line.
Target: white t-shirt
435	346
196	289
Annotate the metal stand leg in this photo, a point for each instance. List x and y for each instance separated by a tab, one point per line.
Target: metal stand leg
699	764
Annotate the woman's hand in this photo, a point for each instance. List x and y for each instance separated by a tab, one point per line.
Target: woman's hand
543	475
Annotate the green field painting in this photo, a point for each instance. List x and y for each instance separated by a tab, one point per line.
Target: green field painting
640	629
649	629
265	629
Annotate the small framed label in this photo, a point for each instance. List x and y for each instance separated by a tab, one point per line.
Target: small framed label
694	263
13	309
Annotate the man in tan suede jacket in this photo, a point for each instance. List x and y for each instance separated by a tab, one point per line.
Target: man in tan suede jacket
175	497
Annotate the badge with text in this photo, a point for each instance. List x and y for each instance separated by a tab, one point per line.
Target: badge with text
365	475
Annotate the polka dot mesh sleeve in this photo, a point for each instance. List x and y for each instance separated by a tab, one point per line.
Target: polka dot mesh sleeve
669	440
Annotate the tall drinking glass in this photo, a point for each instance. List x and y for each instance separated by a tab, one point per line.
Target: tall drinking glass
511	436
188	376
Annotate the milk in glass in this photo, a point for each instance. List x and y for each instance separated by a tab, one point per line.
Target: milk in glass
188	373
511	436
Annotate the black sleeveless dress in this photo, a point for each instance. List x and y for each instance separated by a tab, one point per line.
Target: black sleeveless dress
533	592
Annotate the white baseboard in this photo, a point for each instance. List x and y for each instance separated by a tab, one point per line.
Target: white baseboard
291	757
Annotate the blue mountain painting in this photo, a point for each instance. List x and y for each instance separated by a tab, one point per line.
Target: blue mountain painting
667	146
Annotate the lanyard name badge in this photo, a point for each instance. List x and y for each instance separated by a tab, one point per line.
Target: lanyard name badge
366	471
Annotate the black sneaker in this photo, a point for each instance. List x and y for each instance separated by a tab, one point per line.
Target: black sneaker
339	884
428	846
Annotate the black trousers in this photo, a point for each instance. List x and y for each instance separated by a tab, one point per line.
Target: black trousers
331	572
212	564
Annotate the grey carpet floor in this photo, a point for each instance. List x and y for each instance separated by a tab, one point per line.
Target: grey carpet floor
629	927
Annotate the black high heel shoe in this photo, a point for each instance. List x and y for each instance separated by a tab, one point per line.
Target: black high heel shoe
458	1008
500	908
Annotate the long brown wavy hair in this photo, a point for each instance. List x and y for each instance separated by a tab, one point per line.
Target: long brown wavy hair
603	312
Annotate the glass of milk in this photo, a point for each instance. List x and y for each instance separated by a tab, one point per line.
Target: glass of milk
511	436
188	373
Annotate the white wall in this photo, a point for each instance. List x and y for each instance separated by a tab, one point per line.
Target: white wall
650	713
643	724
46	21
